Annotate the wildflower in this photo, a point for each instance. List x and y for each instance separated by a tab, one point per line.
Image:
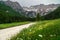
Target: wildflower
21	39
23	33
40	35
30	30
36	39
7	11
17	39
29	38
52	35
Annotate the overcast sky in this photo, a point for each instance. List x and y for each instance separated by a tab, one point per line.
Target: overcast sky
36	2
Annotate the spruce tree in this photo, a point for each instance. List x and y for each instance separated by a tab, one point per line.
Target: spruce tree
37	17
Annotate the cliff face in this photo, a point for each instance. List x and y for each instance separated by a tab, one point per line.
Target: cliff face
45	9
45	6
15	5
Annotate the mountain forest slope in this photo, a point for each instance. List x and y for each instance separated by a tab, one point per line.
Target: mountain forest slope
7	14
53	15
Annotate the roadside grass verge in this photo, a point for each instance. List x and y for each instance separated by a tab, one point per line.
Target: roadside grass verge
42	30
7	25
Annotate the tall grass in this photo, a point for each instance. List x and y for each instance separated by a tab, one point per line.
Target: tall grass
43	30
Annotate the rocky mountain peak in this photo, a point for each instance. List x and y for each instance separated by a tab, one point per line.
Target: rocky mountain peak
15	5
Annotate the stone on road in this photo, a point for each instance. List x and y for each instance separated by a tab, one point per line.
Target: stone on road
6	34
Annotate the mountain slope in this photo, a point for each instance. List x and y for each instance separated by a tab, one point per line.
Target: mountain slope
15	5
53	15
7	14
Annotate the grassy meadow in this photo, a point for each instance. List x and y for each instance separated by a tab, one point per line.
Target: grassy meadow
42	30
7	25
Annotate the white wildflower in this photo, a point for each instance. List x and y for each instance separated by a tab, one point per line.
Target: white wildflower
40	35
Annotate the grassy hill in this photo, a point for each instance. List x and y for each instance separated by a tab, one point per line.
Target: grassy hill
42	30
7	14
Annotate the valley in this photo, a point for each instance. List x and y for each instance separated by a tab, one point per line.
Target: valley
36	22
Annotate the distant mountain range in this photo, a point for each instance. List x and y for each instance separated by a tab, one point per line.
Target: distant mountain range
45	6
45	9
42	9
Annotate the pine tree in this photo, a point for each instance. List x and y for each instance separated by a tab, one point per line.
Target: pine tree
37	17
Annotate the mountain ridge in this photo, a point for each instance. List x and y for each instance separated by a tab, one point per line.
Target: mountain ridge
15	5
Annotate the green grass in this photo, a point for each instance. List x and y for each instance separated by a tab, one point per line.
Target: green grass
7	25
42	30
